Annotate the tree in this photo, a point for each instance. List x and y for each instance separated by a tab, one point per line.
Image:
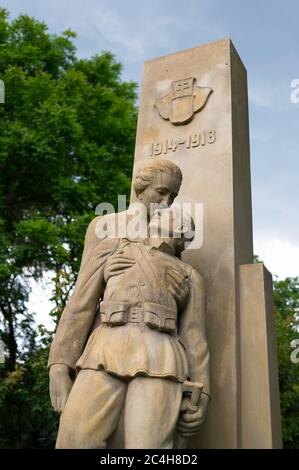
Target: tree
26	416
286	300
67	132
66	143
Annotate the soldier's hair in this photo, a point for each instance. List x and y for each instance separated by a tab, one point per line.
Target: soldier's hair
147	173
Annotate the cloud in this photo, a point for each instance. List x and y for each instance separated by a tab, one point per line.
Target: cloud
280	256
272	94
107	26
266	39
258	97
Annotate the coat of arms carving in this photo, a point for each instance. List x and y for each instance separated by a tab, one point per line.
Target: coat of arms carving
183	101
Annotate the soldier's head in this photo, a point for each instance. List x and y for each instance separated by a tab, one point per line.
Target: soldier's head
157	182
175	226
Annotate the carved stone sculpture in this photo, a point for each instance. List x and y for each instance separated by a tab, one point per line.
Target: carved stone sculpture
184	99
133	334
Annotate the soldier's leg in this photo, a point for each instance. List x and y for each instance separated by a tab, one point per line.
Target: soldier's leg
151	412
92	411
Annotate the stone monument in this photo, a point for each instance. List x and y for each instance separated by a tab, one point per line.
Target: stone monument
194	112
129	363
192	145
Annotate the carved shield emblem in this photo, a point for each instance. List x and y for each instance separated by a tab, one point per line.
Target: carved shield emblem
183	101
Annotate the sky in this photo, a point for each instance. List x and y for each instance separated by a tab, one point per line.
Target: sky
266	36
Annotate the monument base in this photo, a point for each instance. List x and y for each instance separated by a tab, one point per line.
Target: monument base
260	409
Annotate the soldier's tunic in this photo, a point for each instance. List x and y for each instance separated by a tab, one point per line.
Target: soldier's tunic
139	346
142	348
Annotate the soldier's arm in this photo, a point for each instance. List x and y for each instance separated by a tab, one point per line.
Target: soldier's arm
78	315
192	329
193	332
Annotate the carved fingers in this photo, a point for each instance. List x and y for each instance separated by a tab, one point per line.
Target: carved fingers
178	285
117	264
60	386
189	423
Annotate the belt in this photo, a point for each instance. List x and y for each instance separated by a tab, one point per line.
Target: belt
156	316
133	315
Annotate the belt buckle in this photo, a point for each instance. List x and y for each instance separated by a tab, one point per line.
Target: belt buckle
134	314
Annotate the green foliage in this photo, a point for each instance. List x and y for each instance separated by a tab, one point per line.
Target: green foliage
26	417
286	299
286	303
67	132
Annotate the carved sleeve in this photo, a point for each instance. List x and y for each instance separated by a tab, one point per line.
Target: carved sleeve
79	313
192	330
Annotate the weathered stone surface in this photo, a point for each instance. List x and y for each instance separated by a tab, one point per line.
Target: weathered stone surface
194	112
260	409
146	345
212	149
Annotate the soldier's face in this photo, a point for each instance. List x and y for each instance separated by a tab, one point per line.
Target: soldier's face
162	191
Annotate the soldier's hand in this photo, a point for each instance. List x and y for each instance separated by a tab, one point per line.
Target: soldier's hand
178	285
190	423
60	386
117	264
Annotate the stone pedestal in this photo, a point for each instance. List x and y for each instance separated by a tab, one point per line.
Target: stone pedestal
194	111
260	410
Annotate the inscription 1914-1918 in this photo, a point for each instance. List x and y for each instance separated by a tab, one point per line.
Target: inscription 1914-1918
192	141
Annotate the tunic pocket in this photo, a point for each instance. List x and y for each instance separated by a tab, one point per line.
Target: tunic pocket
114	313
160	317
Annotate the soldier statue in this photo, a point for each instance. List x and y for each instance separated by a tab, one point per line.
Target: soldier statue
133	332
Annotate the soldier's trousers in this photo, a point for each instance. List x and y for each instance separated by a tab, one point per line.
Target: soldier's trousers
150	408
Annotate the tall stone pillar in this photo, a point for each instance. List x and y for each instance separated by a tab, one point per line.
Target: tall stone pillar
194	111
